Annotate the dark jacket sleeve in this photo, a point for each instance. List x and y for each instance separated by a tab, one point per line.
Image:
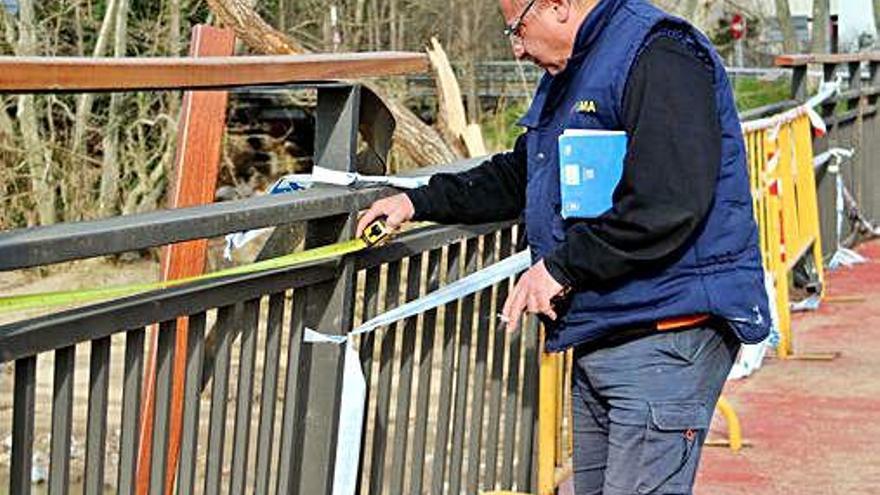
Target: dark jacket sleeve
669	175
493	191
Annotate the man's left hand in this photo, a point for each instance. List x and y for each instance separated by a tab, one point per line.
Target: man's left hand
533	293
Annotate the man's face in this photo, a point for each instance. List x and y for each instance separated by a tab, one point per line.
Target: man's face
539	38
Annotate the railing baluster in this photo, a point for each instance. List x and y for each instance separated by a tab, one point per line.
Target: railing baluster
269	394
164	375
96	427
404	384
496	377
226	320
525	481
365	352
131	410
383	395
293	415
23	426
478	390
463	372
242	428
426	360
195	361
62	418
444	401
510	414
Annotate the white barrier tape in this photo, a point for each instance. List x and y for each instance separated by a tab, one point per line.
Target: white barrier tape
286	184
842	256
838	153
773	162
354	387
351	412
473	283
319	175
826	91
323	175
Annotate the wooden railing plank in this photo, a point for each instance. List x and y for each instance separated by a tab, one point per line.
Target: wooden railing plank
801	59
81	74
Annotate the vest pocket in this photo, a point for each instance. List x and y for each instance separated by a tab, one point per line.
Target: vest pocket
671	449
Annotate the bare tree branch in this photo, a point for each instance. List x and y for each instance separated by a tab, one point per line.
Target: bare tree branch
35	155
110	167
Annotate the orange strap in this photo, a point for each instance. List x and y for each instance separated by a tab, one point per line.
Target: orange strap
681	322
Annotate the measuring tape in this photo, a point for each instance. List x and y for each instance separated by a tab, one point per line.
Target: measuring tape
375	234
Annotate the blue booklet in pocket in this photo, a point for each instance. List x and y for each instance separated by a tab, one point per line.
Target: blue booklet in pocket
590	167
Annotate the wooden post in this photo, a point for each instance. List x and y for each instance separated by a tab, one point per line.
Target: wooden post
200	133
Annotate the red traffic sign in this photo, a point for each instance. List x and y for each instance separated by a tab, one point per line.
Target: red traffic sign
738	26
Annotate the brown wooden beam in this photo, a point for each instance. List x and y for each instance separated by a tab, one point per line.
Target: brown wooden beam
79	74
798	60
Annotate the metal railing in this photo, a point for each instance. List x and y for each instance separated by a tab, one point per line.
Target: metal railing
451	398
851	118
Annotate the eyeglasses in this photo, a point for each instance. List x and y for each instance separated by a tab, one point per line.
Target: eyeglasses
512	30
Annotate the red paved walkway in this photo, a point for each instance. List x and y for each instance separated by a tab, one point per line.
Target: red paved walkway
814	426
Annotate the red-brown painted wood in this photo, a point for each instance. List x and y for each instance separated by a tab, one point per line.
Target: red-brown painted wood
197	162
54	74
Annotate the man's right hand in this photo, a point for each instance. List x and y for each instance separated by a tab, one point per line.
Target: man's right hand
397	210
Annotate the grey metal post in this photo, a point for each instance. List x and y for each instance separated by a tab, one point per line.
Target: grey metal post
799	82
870	176
329	305
854	70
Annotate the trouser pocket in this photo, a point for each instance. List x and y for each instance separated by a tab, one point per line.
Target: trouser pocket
692	343
674	436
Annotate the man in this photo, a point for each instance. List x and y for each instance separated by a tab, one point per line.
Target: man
660	290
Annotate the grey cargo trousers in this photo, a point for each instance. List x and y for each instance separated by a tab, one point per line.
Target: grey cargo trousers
642	407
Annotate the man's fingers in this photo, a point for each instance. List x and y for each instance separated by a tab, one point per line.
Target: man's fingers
508	303
366	219
533	305
394	220
517	303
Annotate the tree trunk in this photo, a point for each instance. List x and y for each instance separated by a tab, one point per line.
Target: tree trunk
376	25
783	13
78	27
252	29
9	31
690	10
392	21
85	101
877	14
109	193
418	141
38	160
357	34
821	20
174	45
7	127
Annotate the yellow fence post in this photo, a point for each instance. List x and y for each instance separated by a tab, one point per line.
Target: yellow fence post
547	413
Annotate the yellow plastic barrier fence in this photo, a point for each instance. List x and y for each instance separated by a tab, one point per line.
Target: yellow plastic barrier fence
786	208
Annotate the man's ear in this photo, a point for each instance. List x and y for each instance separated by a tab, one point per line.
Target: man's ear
562	9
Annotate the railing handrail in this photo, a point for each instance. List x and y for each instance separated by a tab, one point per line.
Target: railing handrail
70	327
65	328
83	74
29	247
802	59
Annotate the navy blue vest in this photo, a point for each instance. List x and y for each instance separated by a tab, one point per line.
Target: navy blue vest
720	272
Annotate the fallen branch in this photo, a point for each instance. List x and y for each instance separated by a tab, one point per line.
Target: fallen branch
421	143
